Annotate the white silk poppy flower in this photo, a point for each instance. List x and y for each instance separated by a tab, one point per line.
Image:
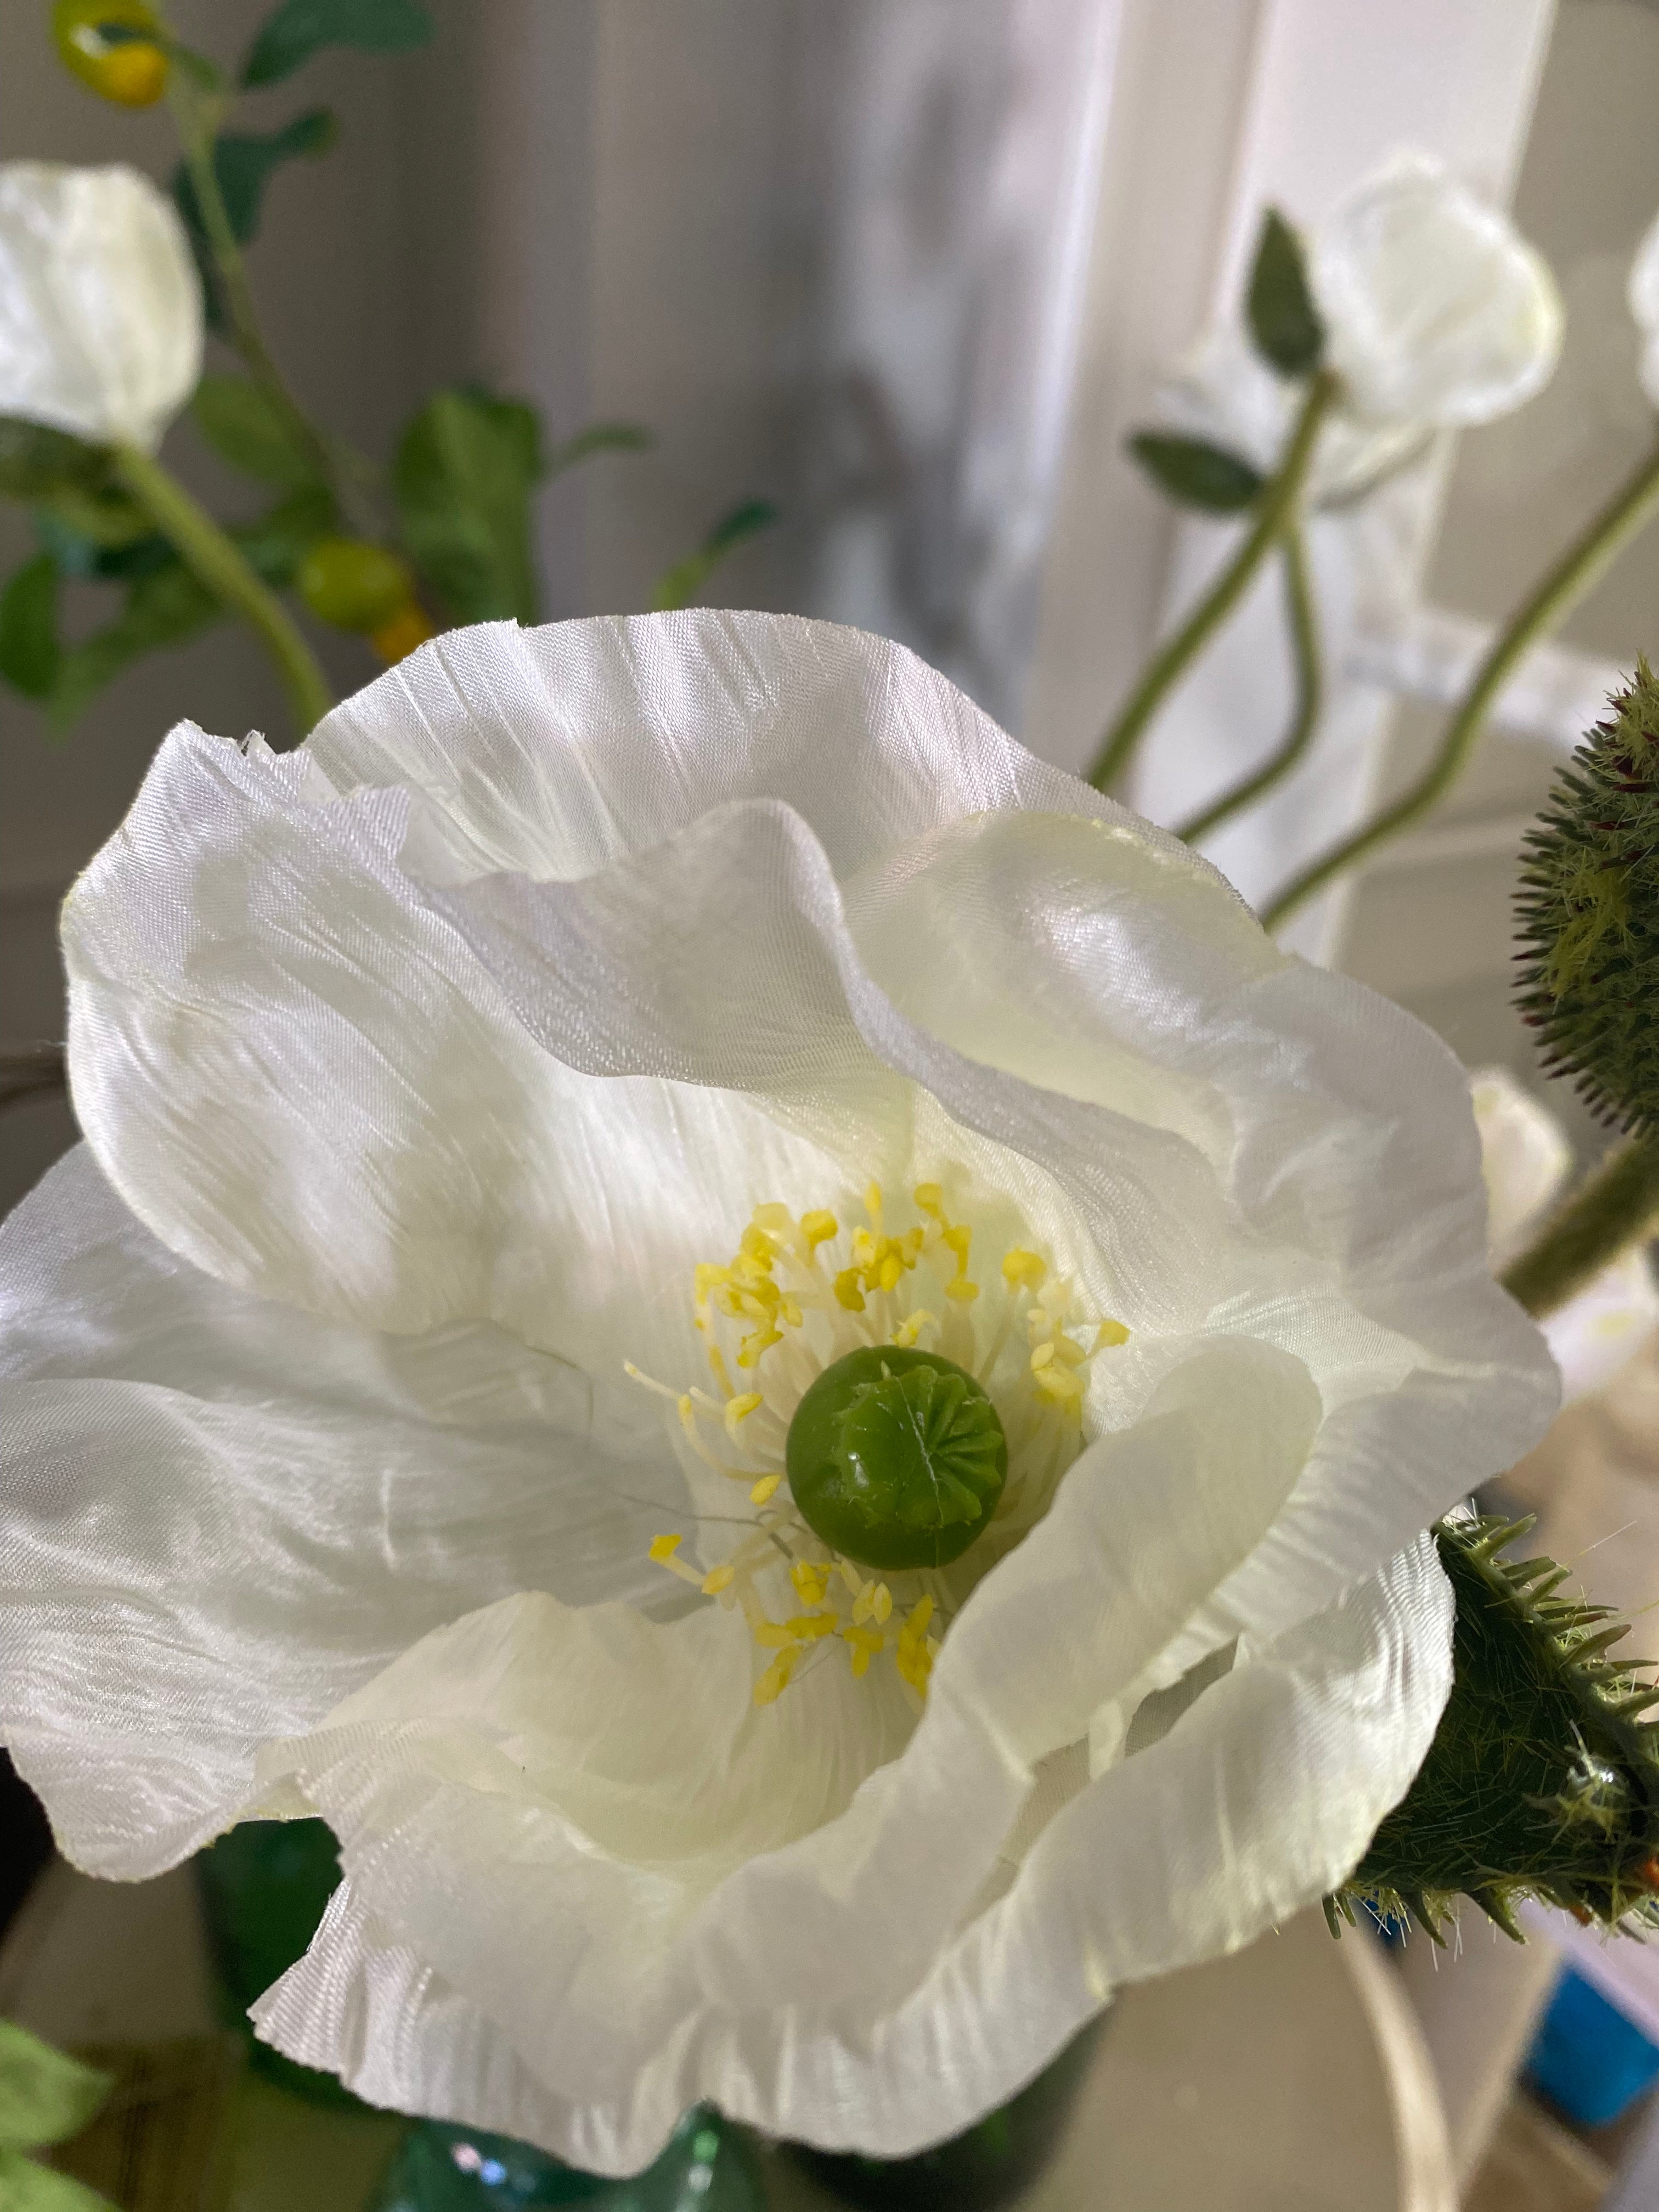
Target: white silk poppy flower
101	308
1438	316
1526	1157
1642	292
501	1114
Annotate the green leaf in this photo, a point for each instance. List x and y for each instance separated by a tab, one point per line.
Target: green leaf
462	478
26	2187
243	163
29	657
299	28
599	437
96	520
163	609
679	585
35	460
280	540
243	428
45	2095
1284	321
1196	473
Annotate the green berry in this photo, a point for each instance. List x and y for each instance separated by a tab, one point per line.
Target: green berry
896	1458
352	584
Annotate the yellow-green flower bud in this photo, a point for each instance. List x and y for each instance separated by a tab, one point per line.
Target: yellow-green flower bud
103	42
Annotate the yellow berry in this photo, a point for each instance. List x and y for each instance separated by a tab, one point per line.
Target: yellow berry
400	633
132	71
354	584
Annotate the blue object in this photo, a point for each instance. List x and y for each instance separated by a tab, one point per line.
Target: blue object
1586	2058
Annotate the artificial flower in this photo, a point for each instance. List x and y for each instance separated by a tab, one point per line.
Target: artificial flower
101	308
1439	315
502	1114
1526	1157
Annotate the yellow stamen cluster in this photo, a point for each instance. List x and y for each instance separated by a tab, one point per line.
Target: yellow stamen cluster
794	1313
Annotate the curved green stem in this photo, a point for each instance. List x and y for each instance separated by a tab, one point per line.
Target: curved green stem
1310	688
1584	564
219	565
1615	1206
1276	512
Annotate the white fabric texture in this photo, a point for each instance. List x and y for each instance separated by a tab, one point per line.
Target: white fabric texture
101	308
419	1068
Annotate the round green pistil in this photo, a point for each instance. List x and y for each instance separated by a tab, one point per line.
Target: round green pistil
897	1458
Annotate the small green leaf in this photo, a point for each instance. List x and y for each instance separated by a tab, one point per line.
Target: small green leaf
1195	473
34	460
599	437
26	2187
679	585
298	29
29	657
1284	323
45	2095
463	476
163	609
282	537
97	519
243	163
245	430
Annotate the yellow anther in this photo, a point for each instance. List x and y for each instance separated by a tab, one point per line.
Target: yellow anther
958	1239
717	1579
766	1488
882	1604
962	1291
749	1350
908	1329
873	1602
739	1409
872	1205
775	1218
1110	1332
847	1291
688	1414
1059	1383
772	1635
811	1579
754	1244
930	1200
915	1622
806	1627
789	1311
772	1684
1023	1271
663	1548
890	1271
706	1278
818	1228
1042	1356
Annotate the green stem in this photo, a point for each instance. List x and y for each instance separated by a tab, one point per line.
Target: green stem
1615	1206
1276	513
1584	564
1304	640
219	565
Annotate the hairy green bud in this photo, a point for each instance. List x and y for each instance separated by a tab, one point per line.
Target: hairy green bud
1542	1780
1587	915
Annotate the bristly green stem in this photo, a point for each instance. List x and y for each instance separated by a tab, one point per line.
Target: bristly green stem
1276	510
1309	686
220	566
1615	1206
1584	564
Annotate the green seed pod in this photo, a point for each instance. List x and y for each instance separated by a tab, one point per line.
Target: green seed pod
897	1458
1587	915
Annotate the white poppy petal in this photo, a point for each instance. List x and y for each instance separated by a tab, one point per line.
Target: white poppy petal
223	1515
1438	312
1594	1334
100	308
1258	1801
1525	1157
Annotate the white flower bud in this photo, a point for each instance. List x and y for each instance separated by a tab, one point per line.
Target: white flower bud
101	308
1440	313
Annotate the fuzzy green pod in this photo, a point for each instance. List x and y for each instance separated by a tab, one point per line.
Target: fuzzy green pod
1587	915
